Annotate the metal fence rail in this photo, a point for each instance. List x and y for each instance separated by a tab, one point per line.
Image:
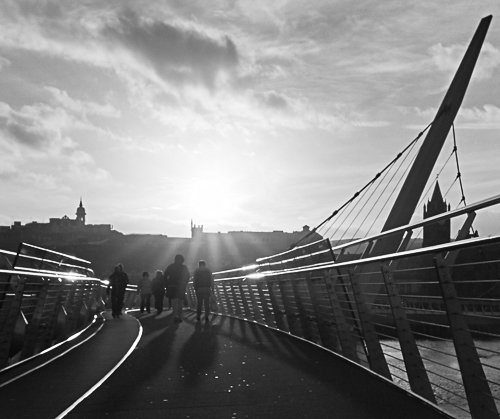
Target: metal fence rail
45	296
427	319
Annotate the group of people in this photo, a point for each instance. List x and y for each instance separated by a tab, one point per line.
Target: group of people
172	283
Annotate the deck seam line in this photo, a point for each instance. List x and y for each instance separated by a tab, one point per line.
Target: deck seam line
54	358
102	380
72	337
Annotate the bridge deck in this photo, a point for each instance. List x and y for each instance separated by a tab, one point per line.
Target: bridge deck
227	368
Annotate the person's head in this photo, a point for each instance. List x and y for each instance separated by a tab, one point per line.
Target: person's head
202	263
159	273
145	274
117	268
179	259
120	267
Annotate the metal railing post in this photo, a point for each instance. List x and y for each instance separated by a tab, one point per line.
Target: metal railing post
236	303
303	318
324	330
7	334
347	341
226	299
376	356
33	327
415	368
278	314
291	316
266	311
244	301
481	402
50	332
256	314
69	309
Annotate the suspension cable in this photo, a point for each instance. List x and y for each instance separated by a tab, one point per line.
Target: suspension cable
380	182
393	190
355	217
426	193
459	175
355	196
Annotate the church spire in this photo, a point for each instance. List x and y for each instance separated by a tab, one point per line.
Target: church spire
437	233
80	213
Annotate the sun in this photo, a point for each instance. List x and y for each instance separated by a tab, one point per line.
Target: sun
212	198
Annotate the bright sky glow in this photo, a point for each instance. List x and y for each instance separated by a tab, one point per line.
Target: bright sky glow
239	115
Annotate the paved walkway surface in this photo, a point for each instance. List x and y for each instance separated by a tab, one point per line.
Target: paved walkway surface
74	367
226	368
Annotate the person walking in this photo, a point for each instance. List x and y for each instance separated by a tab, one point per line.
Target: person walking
118	282
203	284
145	290
176	278
159	290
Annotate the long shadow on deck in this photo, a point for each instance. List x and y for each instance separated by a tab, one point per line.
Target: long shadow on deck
234	369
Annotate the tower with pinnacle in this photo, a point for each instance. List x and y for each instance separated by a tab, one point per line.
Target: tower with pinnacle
80	213
437	233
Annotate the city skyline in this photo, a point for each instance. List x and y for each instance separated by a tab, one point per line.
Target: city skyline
240	117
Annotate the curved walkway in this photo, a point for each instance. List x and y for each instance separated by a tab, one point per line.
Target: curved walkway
46	385
227	368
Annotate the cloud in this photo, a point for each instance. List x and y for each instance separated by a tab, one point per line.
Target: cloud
33	138
83	108
447	59
35	127
38	181
179	55
185	74
272	99
4	62
486	118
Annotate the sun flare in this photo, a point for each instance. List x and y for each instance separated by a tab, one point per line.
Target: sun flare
212	198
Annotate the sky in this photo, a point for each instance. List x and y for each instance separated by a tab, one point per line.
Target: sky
238	115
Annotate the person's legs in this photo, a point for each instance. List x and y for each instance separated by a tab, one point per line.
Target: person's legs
148	302
159	301
142	303
203	296
161	296
119	305
206	301
199	299
177	308
114	303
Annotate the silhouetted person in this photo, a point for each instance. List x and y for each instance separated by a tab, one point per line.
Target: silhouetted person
159	290
203	284
176	279
145	289
118	282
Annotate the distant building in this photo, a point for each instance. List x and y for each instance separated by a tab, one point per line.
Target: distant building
437	233
237	248
276	238
57	231
105	247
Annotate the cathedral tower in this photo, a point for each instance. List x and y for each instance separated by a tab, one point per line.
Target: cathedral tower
438	233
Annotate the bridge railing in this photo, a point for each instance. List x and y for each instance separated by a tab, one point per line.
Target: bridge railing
45	297
428	319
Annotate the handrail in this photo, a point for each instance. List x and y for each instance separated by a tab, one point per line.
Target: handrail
430	313
442	248
40	307
428	221
47	274
65	256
